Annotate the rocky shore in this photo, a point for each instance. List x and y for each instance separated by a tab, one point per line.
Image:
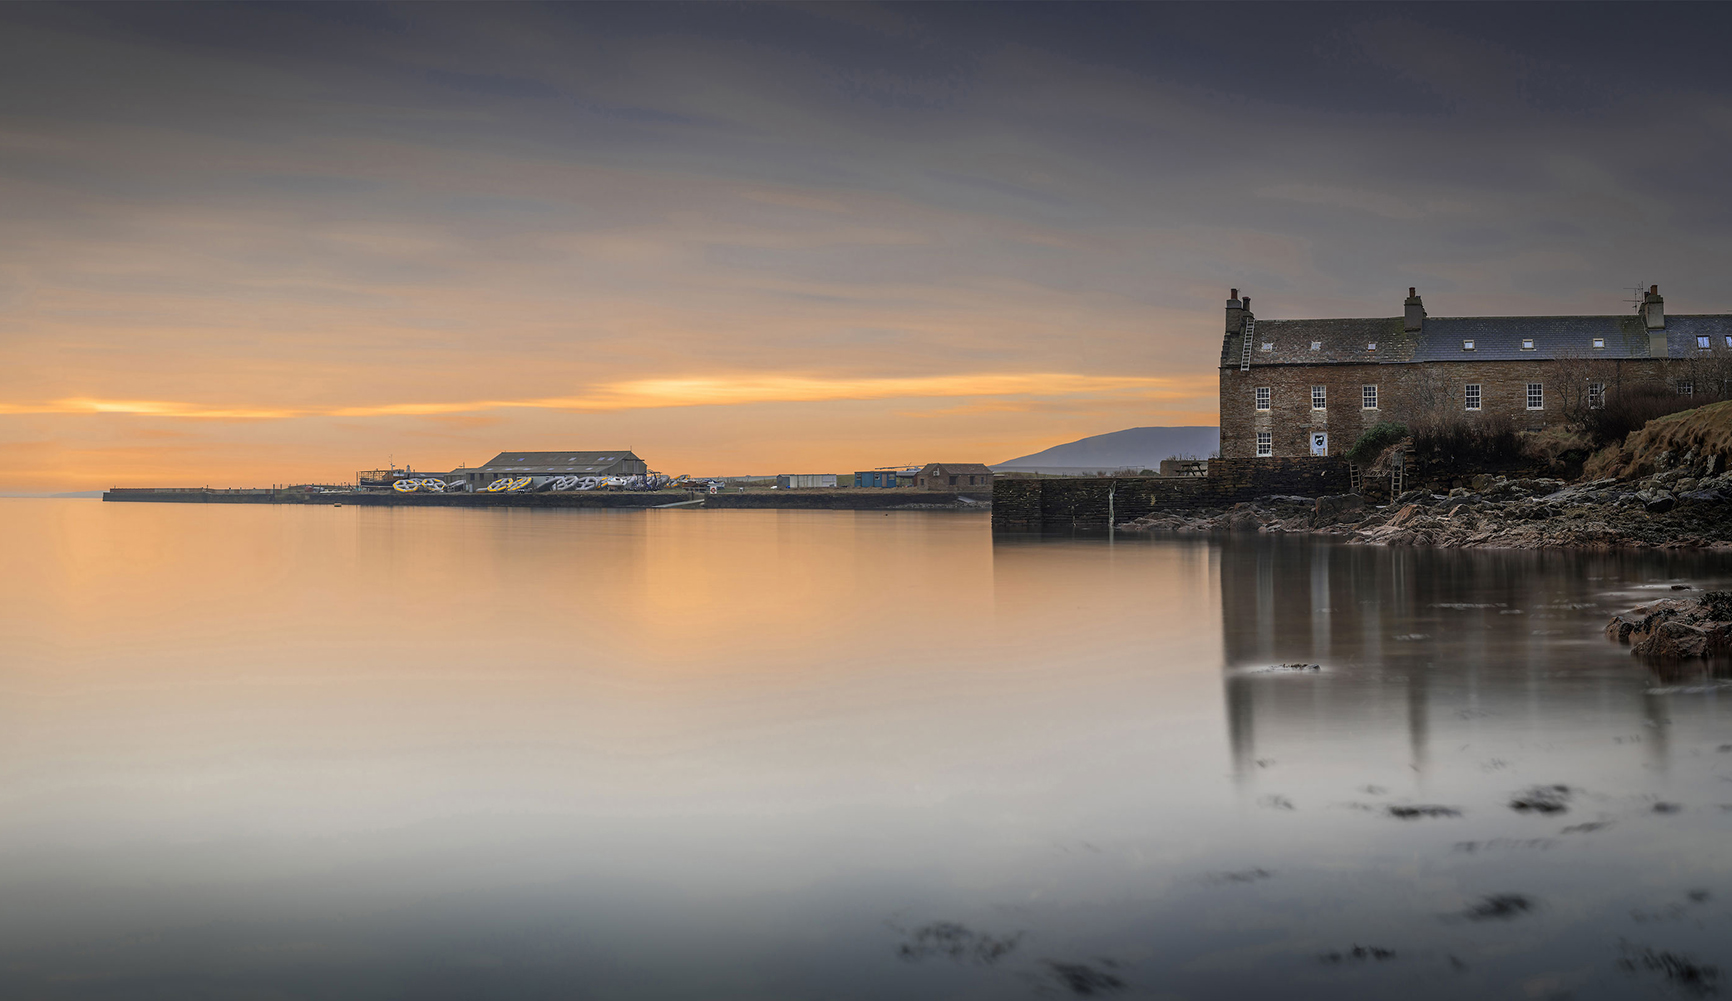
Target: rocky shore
1678	508
1676	628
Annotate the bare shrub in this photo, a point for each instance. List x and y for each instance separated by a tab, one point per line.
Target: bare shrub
1629	408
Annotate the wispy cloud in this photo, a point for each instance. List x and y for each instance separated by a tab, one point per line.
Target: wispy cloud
696	391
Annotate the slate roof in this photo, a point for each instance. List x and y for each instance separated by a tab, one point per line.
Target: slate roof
572	463
1500	338
1714	326
1495	338
957	469
1340	341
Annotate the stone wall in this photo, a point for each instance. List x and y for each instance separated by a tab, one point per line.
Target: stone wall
1032	504
1406	394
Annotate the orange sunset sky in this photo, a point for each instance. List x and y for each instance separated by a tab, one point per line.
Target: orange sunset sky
255	245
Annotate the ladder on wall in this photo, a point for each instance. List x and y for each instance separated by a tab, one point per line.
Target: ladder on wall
1355	478
1245	353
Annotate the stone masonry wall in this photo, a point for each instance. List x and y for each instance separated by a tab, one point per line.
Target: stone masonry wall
1032	504
1405	394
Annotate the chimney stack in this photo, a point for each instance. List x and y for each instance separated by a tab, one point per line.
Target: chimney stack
1654	309
1415	312
1235	312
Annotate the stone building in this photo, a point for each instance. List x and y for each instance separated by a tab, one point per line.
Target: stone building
1312	387
953	476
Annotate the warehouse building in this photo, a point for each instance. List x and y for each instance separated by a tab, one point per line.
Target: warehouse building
510	465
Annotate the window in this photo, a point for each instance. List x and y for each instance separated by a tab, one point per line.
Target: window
1685	387
1729	340
1702	343
1262	397
1316	345
1319	398
953	481
1473	396
1371	346
1527	343
1268	346
1536	396
1467	345
1596	396
1599	343
1265	443
1369	394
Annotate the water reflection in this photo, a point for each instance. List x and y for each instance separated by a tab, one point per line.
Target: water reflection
1491	632
339	752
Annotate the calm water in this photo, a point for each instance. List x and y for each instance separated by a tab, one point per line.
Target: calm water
341	752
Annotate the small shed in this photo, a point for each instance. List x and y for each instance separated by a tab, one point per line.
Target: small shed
954	476
886	478
805	481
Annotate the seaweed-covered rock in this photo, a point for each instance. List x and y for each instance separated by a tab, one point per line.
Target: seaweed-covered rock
1674	629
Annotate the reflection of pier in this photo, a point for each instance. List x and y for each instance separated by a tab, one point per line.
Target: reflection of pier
1481	633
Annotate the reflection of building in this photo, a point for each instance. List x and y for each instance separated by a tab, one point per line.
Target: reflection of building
953	476
1396	629
515	464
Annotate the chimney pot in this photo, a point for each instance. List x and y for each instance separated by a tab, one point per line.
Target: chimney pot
1654	289
1247	302
1234	294
1411	291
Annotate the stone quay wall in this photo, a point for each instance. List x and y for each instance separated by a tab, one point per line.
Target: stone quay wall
1095	502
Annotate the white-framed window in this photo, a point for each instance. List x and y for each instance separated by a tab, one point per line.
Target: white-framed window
1599	343
1685	387
1729	340
1473	396
1702	343
1265	444
1371	346
1319	398
1268	346
1527	343
1467	345
1536	396
1369	397
1262	397
1316	345
1596	396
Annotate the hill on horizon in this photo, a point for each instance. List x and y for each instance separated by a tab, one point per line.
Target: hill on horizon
1132	448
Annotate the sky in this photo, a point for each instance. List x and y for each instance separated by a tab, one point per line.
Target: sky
254	244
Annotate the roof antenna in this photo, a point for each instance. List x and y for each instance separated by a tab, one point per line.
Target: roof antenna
1637	296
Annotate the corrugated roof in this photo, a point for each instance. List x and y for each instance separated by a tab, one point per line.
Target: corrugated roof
575	462
1494	338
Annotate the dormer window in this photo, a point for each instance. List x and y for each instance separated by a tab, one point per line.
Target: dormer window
1702	342
1316	345
1527	343
1371	346
1268	346
1467	345
1599	343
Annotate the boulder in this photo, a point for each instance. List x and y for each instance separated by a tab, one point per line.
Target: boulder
1673	640
1332	508
1659	501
